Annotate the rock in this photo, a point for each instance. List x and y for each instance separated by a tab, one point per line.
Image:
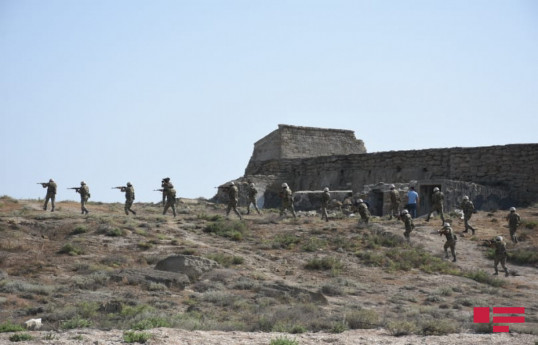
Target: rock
146	276
192	266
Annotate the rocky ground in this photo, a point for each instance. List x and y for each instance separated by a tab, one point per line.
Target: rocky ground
91	278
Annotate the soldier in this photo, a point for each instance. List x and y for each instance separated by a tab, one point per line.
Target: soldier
51	194
437	200
84	192
363	211
514	220
408	221
347	204
394	202
500	254
450	240
325	199
233	199
129	197
252	192
287	200
169	195
467	207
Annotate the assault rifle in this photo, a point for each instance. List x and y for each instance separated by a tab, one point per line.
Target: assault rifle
119	187
42	183
158	190
75	188
488	243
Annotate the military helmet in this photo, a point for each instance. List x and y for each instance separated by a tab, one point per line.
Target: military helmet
251	184
498	239
284	185
360	200
405	211
446	225
392	186
166	179
465	197
51	180
129	184
512	209
82	183
326	189
232	183
436	189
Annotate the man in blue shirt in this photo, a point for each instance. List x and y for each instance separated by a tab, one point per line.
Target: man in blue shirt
412	201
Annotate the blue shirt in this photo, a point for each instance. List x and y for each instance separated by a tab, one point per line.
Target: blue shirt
412	197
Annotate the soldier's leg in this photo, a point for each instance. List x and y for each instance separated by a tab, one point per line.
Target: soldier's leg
293	211
248	207
453	250
503	264
257	209
237	212
46	202
513	235
126	207
442	216
445	247
429	215
173	206
166	207
53	202
228	209
496	263
466	223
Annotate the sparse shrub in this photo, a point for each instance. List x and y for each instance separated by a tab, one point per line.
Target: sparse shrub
136	337
283	340
152	322
22	287
325	263
213	218
20	337
314	244
114	261
400	328
332	290
79	229
9	327
144	245
114	232
483	277
71	249
439	327
530	224
285	241
234	230
483	327
338	327
226	260
494	220
375	239
157	287
523	256
93	281
76	323
362	319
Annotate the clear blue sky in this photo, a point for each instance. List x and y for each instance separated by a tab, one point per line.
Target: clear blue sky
124	90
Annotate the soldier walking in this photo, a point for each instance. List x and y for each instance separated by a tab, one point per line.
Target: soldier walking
84	192
450	240
394	202
233	200
514	220
51	194
287	200
169	195
467	207
325	199
437	200
500	254
363	211
129	197
408	222
252	192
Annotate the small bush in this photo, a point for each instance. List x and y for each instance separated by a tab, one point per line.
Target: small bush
226	260
283	341
144	245
439	327
362	319
399	328
528	256
326	263
338	327
153	322
285	241
213	218
76	323
9	327
71	249
483	277
20	337
234	230
80	229
530	225
314	244
136	337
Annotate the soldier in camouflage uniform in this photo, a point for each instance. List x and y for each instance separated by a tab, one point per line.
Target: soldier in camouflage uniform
84	192
450	240
325	199
409	225
252	192
514	220
129	198
500	254
233	199
363	211
467	207
169	195
287	200
437	200
51	194
394	202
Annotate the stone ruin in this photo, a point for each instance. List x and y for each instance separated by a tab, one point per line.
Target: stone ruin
309	159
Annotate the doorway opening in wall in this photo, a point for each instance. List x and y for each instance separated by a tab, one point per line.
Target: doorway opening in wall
425	196
376	203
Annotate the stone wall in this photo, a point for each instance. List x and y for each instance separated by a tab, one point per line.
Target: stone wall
513	168
290	142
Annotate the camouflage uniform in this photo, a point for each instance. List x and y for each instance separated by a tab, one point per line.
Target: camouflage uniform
233	199
287	201
51	194
500	255
169	196
394	203
514	220
325	199
129	198
467	207
347	204
437	200
84	192
363	211
450	240
252	192
409	225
